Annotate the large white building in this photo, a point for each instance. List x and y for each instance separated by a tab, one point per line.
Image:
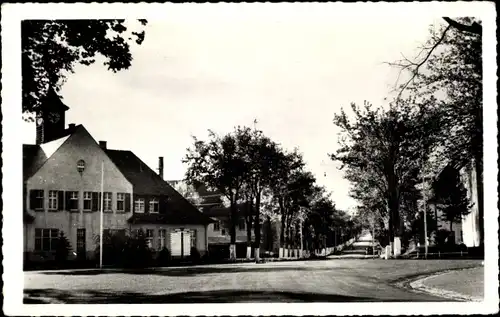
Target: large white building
62	193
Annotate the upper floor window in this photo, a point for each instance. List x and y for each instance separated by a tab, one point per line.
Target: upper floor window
154	205
36	199
108	201
139	205
216	226
120	202
72	200
53	201
87	201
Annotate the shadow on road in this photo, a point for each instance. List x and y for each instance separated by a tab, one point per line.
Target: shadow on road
37	296
190	271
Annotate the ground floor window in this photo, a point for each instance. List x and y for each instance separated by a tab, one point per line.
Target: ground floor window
149	237
46	239
162	237
193	238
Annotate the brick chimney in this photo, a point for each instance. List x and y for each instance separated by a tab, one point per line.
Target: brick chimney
103	144
160	166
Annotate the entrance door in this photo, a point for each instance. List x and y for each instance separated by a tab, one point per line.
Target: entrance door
80	244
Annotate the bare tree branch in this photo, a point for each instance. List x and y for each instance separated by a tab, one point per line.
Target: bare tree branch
416	66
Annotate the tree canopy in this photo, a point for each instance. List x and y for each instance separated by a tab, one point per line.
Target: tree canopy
51	49
383	151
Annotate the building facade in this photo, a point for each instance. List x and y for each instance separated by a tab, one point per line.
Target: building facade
67	175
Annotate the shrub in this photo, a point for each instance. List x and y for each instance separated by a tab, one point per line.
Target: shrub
164	257
63	248
195	255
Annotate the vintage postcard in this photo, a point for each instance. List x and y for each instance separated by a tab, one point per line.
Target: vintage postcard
260	159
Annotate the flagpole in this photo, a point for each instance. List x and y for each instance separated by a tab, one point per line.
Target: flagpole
101	215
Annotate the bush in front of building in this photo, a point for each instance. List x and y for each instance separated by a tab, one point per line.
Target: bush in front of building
122	250
137	253
164	257
195	255
63	248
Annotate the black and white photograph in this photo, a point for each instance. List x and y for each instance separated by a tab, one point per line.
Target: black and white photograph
290	158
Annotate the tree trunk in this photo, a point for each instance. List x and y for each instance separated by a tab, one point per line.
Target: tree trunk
232	230
480	201
249	221
257	227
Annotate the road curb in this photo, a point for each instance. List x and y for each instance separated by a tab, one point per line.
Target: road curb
416	284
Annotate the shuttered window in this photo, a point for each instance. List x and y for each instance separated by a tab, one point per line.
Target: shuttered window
108	201
36	199
120	202
87	201
72	201
53	201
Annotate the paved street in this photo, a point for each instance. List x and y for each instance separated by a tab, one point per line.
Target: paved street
305	281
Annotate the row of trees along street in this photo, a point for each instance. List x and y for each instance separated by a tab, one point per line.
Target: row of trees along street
248	167
387	152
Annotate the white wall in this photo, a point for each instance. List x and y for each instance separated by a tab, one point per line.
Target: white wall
59	172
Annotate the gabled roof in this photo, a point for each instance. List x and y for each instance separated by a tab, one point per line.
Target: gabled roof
35	155
146	182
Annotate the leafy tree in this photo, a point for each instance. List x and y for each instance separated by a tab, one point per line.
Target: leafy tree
220	164
291	186
417	228
262	154
450	196
63	248
450	70
52	48
384	150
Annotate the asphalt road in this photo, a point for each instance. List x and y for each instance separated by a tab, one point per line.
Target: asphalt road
342	280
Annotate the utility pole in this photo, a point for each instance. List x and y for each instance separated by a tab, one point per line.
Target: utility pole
101	216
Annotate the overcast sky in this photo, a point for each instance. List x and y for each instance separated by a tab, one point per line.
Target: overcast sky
291	72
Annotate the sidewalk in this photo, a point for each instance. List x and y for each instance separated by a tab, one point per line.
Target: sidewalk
466	284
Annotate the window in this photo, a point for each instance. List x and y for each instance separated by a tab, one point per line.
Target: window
52	199
87	201
223	231
149	237
139	205
162	242
72	200
46	239
80	240
154	205
241	223
37	199
120	202
193	238
216	226
107	201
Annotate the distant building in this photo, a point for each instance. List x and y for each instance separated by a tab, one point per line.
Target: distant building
467	230
62	192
